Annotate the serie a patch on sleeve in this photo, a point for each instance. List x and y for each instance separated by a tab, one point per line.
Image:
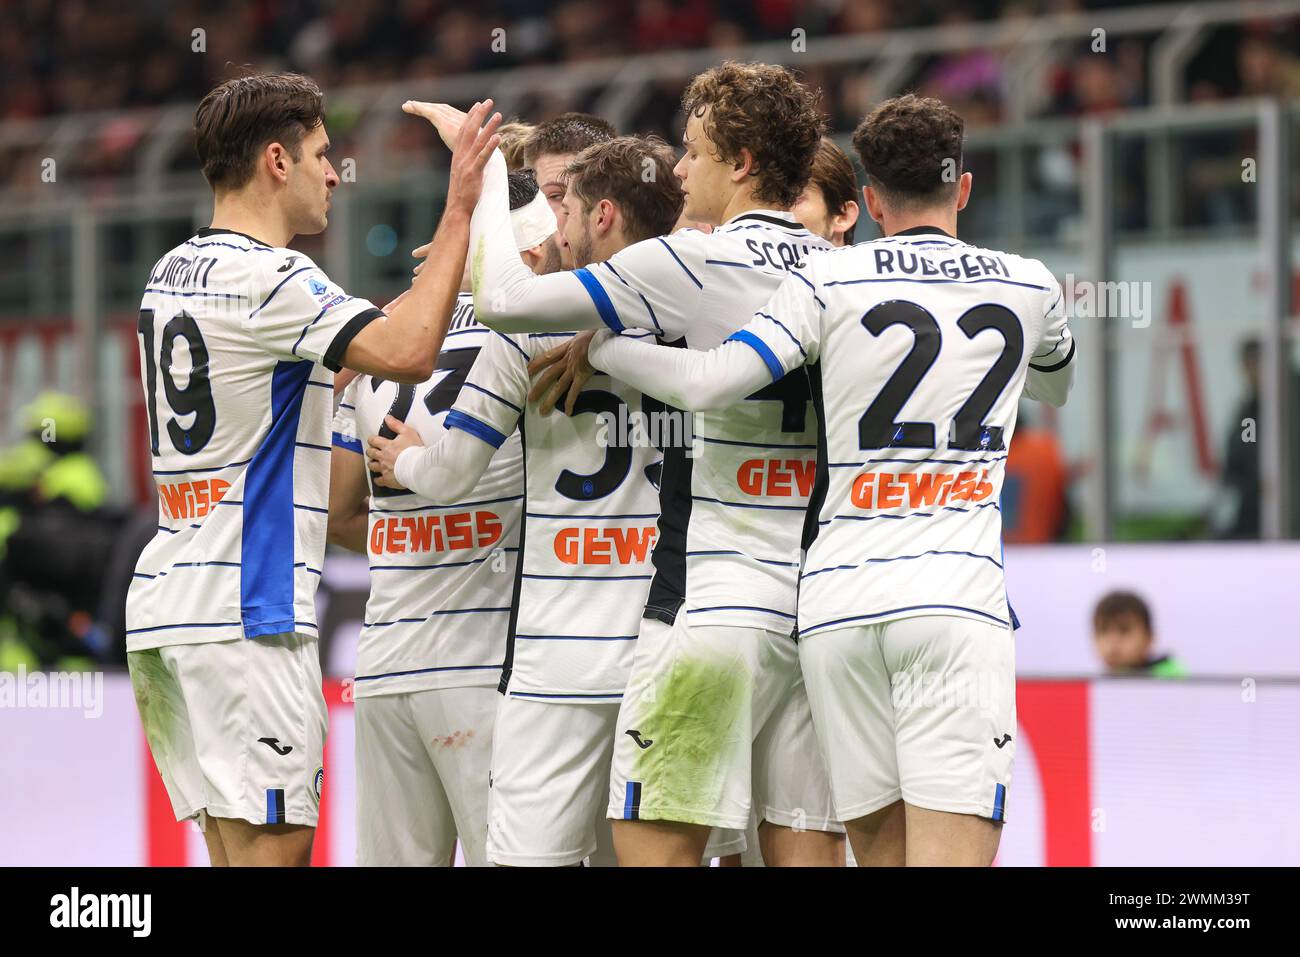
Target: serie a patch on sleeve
322	290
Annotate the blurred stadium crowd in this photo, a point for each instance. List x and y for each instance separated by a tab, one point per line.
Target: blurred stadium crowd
59	56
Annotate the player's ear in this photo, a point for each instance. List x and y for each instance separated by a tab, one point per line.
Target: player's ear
848	217
874	207
963	190
277	161
608	214
533	257
743	166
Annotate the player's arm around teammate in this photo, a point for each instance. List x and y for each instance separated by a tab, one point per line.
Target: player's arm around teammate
828	207
349	503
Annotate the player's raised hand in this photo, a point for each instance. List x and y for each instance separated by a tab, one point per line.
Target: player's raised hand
446	119
562	371
474	148
382	453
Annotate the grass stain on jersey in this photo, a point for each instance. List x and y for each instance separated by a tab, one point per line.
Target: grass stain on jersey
692	719
476	271
158	698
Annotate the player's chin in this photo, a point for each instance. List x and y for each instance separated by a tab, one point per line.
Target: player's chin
316	224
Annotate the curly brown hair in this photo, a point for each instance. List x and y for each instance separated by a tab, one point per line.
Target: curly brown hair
636	174
763	108
910	147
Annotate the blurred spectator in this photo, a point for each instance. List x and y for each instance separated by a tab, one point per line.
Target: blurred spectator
1241	457
1266	69
1123	633
1034	506
65	557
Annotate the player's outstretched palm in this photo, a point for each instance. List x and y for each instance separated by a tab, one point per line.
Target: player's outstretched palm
472	142
446	119
474	148
382	453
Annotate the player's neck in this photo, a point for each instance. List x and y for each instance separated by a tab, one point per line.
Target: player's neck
743	201
245	213
892	225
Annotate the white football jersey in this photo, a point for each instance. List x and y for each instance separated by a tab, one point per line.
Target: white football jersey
238	344
924	345
441	576
731	548
591	506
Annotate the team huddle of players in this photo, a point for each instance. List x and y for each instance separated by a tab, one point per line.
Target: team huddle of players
584	641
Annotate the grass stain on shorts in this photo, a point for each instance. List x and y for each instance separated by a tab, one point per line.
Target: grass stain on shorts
157	696
693	721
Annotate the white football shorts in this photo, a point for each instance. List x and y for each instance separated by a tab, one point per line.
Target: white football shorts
714	721
550	776
423	759
921	708
236	728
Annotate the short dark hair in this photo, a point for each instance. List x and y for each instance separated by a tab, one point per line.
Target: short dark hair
763	108
1118	604
636	174
523	187
566	133
833	174
238	118
911	149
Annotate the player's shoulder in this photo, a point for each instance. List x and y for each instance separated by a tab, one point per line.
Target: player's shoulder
288	265
1023	269
515	346
250	254
684	244
533	344
760	226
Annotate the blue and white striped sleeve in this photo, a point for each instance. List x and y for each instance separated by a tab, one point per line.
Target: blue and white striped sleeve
656	285
685	378
492	399
785	333
300	314
485	413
